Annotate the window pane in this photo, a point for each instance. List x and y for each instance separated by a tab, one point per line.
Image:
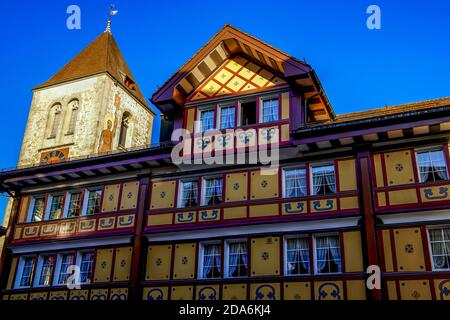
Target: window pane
38	209
323	180
206	120
440	248
432	166
211	263
189	194
212	192
297	260
56	207
66	261
295	183
270	110
27	271
328	254
74	205
46	271
237	259
87	261
93	205
227	117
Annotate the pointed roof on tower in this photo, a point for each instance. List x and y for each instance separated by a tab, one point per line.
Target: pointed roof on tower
101	56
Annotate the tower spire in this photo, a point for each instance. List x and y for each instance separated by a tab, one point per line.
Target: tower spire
112	12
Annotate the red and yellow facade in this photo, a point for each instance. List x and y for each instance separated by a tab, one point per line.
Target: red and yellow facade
147	245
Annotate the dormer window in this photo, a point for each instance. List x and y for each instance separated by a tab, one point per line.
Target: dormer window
205	120
248	112
130	84
269	110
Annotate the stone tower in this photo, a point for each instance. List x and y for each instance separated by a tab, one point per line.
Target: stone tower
92	105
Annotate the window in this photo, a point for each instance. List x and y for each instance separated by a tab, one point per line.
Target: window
269	109
56	207
227	117
188	194
328	254
206	120
74	204
248	113
86	262
440	248
45	267
294	183
93	202
73	106
323	180
55	114
212	191
297	256
432	166
27	272
38	208
210	261
237	259
66	260
124	129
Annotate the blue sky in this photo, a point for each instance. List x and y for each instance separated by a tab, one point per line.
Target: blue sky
407	60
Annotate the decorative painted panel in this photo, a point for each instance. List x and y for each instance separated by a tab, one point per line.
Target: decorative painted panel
399	167
265	291
79	295
328	290
245	138
347	175
110	198
186	217
207	292
122	263
236	186
209	215
322	205
234	291
99	294
156	294
19	296
356	290
297	291
38	296
163	194
118	294
268	135
126	221
23	211
292	208
58	295
437	193
409	249
265	256
159	258
182	293
129	198
415	290
103	265
442	289
353	251
265	185
86	225
184	261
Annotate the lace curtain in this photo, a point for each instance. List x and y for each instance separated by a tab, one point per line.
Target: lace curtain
237	250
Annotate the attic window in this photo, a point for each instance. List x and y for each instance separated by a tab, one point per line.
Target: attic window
130	84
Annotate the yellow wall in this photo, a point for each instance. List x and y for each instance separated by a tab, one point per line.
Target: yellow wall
184	261
399	167
122	264
163	194
236	186
159	259
409	249
347	175
265	256
103	265
129	198
110	198
264	186
353	251
297	291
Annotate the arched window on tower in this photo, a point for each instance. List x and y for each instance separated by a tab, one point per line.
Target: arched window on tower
73	107
124	129
55	115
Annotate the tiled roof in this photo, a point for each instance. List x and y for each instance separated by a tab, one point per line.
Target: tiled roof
101	55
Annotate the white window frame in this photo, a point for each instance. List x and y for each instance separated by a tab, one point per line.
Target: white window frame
203	191
49	205
285	259
67	202
261	107
429	149
201	256
283	180
39	266
198	123
86	200
314	236
31	207
429	246
219	115
180	192
78	262
226	256
57	272
19	272
239	111
311	178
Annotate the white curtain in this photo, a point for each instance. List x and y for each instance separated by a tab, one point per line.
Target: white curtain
237	251
213	191
322	248
438	249
298	250
296	183
335	251
331	181
211	259
424	166
317	182
190	194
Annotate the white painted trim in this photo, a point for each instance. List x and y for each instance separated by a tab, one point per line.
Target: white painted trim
76	244
244	231
19	272
201	255
226	256
410	217
430	249
285	255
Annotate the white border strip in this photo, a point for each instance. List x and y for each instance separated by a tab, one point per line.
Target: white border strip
409	217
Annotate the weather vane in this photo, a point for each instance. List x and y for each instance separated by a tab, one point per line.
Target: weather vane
112	12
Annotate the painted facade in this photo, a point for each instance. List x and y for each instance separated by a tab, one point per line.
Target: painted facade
351	191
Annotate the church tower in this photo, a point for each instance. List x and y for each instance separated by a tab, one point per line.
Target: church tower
93	105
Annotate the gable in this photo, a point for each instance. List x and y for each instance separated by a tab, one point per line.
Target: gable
237	75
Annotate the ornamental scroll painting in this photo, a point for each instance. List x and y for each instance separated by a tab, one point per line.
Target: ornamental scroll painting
107	135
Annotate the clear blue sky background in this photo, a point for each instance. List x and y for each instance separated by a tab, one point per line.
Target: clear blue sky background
407	60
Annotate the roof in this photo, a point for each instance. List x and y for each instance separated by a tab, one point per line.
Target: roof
101	56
